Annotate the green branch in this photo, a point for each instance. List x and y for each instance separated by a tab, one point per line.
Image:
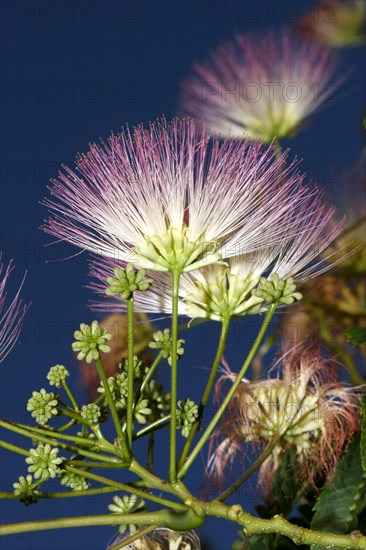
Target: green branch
217	417
207	391
117	423
174	360
130	370
254	467
278	524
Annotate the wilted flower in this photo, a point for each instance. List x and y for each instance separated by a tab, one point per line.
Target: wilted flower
262	85
305	409
166	198
11	316
337	24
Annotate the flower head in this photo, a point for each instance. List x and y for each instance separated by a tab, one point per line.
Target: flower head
57	375
25	490
305	409
250	281
91	413
263	86
44	461
74	481
167	198
90	341
11	316
42	406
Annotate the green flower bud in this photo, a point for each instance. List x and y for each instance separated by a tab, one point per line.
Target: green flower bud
42	406
25	490
162	340
74	481
90	413
44	461
187	415
277	290
141	411
127	281
90	341
57	375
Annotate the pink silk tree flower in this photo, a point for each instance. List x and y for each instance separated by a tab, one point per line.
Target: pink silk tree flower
168	198
11	316
261	86
304	409
248	282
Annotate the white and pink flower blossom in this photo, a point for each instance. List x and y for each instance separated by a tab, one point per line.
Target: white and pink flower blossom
168	197
261	86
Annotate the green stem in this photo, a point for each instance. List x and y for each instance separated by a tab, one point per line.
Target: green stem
125	450
74	438
130	371
278	524
207	391
161	423
13	448
150	452
54	443
90	464
70	396
128	488
258	462
217	417
166	518
174	359
151	371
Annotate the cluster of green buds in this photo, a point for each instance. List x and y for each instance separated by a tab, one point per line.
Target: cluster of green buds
74	481
127	281
90	341
91	414
43	406
188	414
162	340
44	462
127	505
140	369
57	375
276	290
159	401
25	489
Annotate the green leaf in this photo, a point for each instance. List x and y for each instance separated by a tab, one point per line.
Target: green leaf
357	336
337	506
363	433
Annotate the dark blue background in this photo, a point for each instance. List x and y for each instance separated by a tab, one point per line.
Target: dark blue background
71	73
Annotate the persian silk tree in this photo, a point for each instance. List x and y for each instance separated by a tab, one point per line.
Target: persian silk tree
184	225
260	86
